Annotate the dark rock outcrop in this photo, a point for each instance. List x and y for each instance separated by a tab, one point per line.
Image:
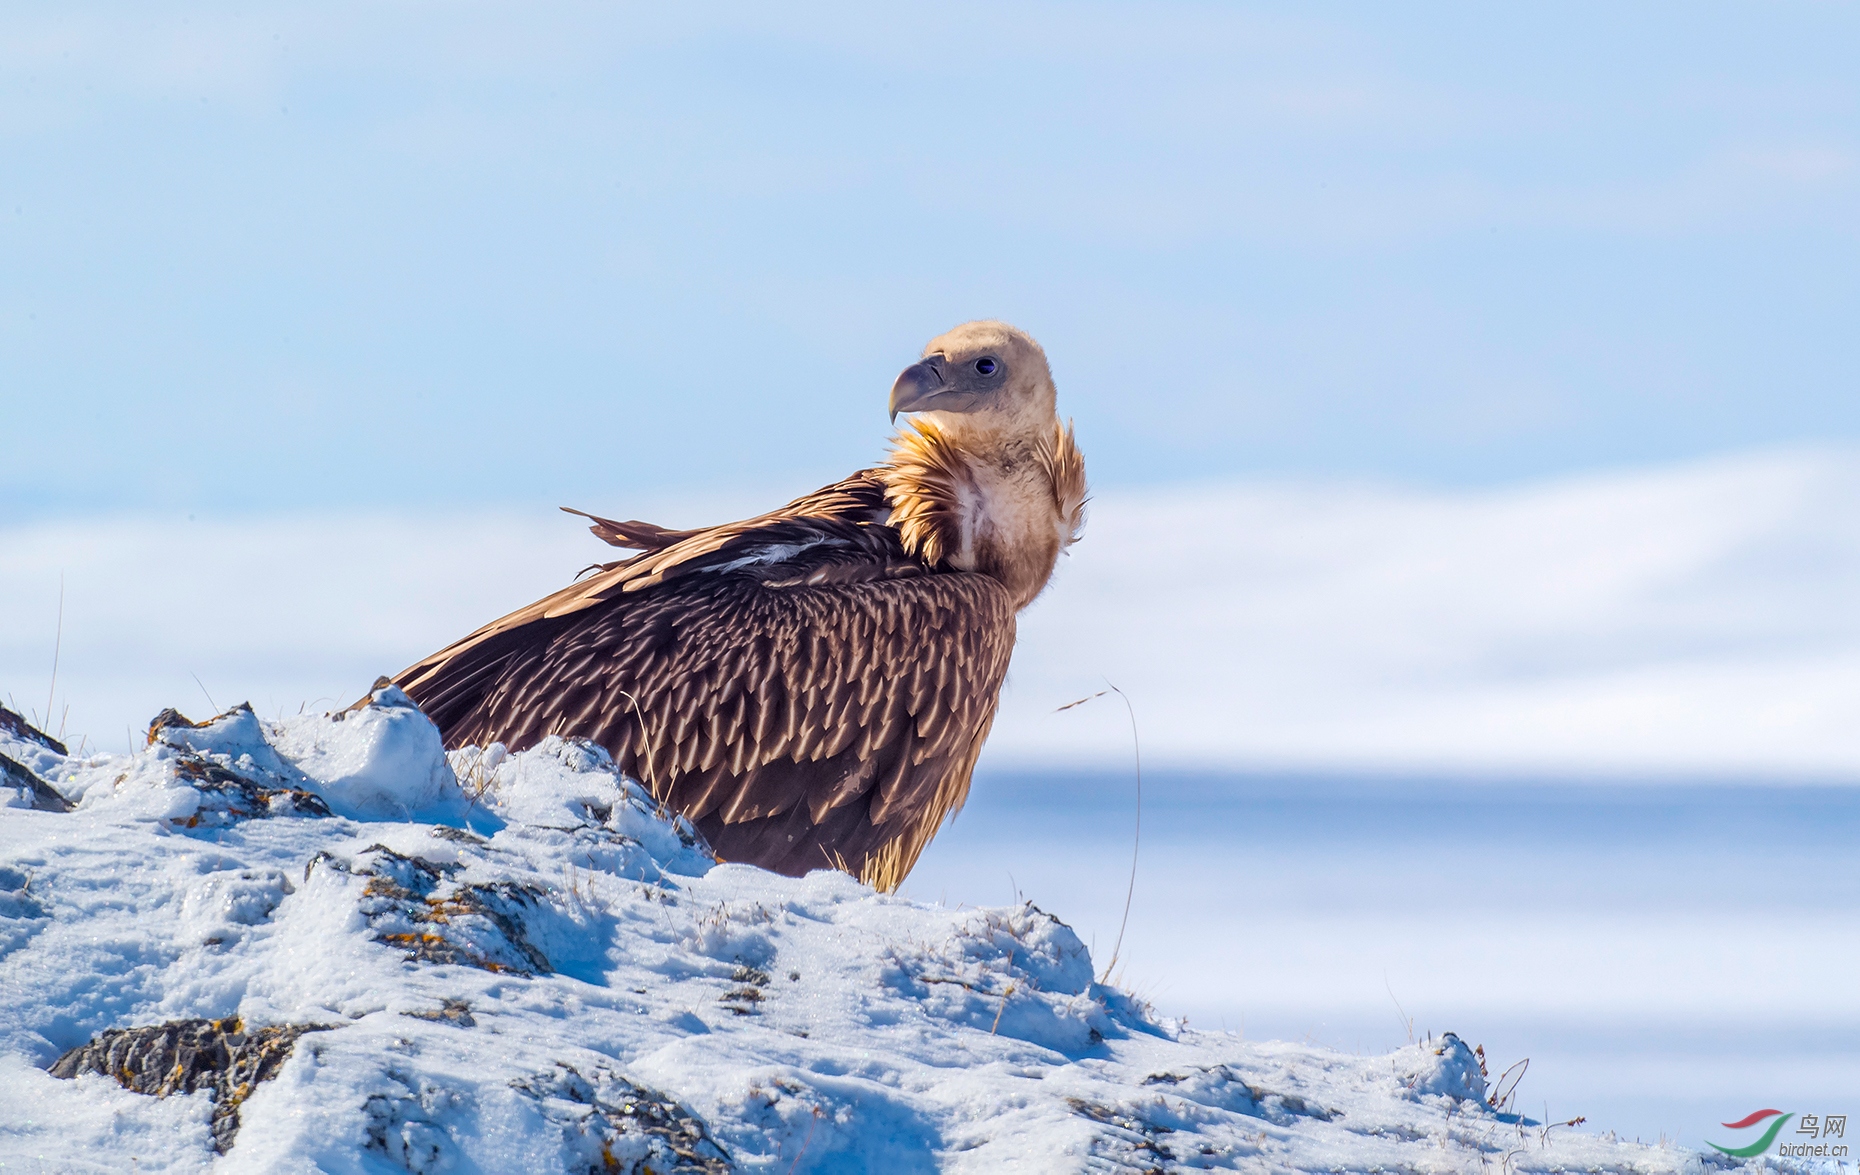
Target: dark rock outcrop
413	905
183	1056
13	724
618	1126
226	796
45	797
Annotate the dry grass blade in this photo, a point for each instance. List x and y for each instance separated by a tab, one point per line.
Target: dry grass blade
1005	996
1080	702
203	689
796	1165
1136	840
1407	1021
58	645
645	734
1505	1089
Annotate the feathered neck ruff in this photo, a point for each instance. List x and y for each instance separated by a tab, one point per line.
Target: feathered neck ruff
1005	510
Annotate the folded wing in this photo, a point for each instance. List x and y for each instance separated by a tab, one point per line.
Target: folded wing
804	691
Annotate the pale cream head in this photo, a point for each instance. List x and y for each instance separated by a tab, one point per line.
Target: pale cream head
981	377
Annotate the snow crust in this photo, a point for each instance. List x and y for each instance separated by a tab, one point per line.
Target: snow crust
512	957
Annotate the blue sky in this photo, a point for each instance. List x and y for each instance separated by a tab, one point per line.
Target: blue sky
295	258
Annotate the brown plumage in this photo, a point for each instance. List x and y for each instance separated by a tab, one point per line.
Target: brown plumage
810	686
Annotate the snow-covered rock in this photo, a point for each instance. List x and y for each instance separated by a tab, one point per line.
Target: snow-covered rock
516	962
380	758
1444	1067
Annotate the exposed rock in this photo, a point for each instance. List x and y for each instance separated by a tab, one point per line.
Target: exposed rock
458	835
1221	1088
44	797
1127	1141
226	796
412	904
172	717
13	724
1442	1066
183	1056
745	999
623	1128
451	1012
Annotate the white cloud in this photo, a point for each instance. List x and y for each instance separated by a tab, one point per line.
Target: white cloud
1695	619
1692	620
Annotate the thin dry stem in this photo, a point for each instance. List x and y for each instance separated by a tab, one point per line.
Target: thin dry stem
58	645
1136	840
645	734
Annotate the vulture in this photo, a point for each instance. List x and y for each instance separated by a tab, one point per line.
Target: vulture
811	686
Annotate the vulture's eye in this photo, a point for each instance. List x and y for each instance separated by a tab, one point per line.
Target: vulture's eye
986	366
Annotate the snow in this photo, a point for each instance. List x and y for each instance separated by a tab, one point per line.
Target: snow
386	761
515	962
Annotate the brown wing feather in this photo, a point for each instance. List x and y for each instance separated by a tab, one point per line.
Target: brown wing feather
851	506
807	694
633	534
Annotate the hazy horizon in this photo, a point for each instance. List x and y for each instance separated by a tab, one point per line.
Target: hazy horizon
1691	621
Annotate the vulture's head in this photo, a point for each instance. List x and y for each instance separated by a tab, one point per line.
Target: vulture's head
981	379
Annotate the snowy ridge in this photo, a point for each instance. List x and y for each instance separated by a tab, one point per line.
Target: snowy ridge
514	963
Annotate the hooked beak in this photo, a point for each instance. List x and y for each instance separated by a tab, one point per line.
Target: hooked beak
915	387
